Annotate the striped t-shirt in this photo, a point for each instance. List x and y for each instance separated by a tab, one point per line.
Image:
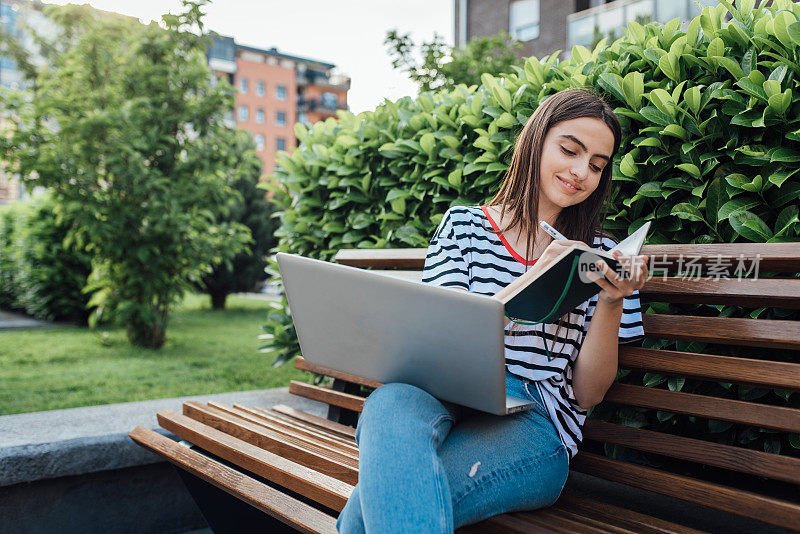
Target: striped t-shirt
463	253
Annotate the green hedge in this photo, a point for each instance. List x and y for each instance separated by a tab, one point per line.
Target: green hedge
710	153
38	273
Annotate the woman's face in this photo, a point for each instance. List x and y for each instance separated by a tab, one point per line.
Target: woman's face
574	154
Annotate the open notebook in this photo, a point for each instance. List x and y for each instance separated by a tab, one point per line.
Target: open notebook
558	288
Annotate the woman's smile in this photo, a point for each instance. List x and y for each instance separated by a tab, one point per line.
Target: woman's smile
567	186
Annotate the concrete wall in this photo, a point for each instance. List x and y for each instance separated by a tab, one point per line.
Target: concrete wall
77	470
143	499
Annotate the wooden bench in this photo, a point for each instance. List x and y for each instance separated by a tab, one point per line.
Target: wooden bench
287	466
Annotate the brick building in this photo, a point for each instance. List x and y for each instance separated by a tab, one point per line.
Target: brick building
275	91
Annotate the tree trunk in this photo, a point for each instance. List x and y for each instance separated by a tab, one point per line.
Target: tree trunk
218	300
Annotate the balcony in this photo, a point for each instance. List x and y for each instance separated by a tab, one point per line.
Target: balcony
321	79
612	18
318	105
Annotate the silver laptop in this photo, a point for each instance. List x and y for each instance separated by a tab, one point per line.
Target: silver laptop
445	341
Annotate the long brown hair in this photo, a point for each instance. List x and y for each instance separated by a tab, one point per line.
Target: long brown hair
521	186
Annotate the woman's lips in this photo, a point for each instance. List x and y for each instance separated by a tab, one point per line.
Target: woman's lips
566	185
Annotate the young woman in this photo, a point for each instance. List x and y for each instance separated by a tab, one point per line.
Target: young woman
429	466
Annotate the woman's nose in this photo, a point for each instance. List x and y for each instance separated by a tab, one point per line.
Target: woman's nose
579	171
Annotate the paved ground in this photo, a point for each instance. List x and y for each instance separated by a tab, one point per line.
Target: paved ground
10	321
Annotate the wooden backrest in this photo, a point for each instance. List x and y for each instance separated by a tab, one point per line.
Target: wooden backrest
730	477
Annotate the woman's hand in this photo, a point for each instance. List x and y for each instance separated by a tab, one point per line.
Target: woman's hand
615	287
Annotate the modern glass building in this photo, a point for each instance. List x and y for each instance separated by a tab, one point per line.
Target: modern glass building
607	20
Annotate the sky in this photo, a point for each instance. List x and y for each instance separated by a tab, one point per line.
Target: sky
347	33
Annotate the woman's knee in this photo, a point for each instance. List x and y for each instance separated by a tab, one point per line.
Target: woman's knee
401	404
395	397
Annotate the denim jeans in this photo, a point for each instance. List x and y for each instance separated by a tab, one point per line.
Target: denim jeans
431	466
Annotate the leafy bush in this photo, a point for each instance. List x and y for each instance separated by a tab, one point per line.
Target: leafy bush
40	274
710	153
116	127
8	269
248	207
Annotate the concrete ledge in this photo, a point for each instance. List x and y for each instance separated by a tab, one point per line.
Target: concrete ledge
58	443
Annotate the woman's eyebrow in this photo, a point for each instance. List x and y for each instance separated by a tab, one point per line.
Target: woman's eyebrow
580	144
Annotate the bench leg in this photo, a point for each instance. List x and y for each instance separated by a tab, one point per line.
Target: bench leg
226	514
342	415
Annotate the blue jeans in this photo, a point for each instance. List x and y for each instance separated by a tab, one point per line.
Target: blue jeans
431	466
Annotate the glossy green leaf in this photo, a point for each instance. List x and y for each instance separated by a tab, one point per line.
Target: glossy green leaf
686	211
749	225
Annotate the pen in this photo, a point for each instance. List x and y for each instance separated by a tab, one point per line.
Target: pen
550	230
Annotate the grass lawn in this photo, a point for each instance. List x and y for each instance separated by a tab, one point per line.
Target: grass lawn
206	351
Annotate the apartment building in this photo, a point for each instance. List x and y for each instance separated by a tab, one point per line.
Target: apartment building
545	26
275	91
14	15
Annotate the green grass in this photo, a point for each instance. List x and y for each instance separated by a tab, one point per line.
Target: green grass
206	352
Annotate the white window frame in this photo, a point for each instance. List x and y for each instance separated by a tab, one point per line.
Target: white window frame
524	19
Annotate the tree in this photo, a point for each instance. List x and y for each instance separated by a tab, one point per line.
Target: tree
116	128
443	65
249	208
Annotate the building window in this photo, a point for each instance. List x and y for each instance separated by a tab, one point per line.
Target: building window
280	118
280	143
523	19
259	142
260	88
243	85
280	92
243	113
302	118
329	100
260	116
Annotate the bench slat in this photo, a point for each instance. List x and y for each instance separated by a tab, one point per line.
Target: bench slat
286	509
328	396
772	257
300	433
253	427
513	524
308	482
399	258
339	428
547	518
641	523
773	333
311	427
776	375
770	374
288	422
303	364
313	456
739	459
739	502
735	411
772	293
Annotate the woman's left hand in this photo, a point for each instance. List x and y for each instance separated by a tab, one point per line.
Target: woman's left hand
615	287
